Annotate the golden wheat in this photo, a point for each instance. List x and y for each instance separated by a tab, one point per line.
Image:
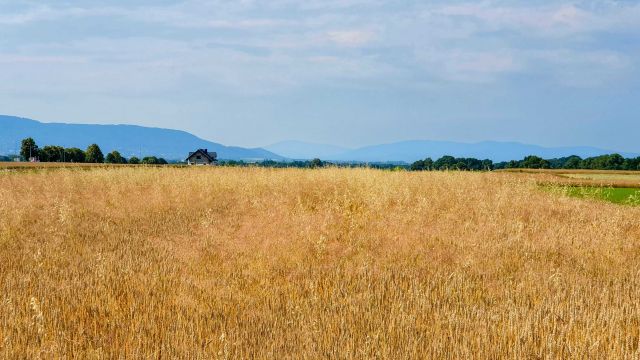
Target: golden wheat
128	262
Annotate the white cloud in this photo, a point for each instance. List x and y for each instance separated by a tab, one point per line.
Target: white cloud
22	59
544	18
49	13
580	68
351	38
285	43
469	66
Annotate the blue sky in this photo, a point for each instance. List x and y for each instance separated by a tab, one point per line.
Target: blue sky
348	73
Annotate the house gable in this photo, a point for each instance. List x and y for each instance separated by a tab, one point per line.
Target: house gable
201	156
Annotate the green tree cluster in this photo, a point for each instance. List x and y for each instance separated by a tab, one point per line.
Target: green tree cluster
52	153
74	155
420	165
535	162
602	162
114	157
152	160
93	154
452	163
315	163
28	149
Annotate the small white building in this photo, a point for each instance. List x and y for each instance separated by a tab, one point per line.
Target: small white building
202	157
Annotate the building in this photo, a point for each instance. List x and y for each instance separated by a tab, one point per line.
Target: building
202	157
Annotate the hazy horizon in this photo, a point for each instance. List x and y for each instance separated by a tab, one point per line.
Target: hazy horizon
346	148
347	73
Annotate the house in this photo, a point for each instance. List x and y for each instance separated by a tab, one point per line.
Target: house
202	157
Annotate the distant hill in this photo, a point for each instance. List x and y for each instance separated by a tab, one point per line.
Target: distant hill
175	145
410	151
127	139
303	150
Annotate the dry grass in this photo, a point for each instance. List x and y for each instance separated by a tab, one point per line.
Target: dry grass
598	178
261	263
635	177
48	165
570	171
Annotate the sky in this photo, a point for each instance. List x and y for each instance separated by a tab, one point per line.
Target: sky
348	73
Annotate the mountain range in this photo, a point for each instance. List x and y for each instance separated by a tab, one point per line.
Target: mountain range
132	140
129	140
410	151
301	150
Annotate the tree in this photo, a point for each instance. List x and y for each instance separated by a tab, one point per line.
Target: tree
162	161
114	157
573	162
28	149
452	163
74	155
471	164
51	153
487	164
445	163
417	166
615	162
316	163
461	165
633	163
134	160
149	160
604	162
428	164
535	162
512	164
94	154
420	165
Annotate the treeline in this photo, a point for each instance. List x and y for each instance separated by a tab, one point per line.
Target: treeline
315	163
30	151
452	163
602	162
310	164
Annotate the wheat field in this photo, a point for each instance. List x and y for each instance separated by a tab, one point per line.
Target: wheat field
201	263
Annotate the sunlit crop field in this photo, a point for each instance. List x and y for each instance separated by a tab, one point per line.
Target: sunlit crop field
11	166
141	262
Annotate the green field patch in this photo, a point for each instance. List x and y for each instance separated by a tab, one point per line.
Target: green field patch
625	196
